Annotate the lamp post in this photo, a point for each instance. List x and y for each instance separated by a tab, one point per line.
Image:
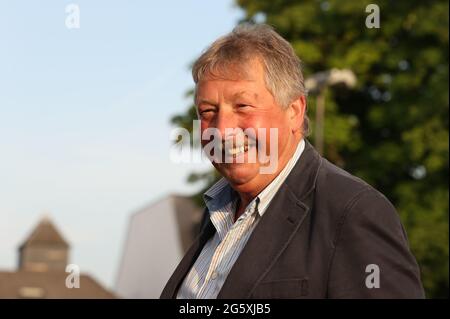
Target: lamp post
317	85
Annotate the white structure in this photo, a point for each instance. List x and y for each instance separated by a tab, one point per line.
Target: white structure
158	237
317	85
318	81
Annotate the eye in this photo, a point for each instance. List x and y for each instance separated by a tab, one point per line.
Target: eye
206	112
242	105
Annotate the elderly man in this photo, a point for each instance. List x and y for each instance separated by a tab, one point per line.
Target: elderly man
304	229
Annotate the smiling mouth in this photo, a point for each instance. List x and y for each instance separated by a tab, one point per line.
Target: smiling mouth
237	150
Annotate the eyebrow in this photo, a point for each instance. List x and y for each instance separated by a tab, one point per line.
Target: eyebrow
235	95
239	94
205	101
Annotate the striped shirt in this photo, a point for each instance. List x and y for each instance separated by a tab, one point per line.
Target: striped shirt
210	270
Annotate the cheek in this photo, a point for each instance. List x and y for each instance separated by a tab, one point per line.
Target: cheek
205	132
203	125
253	123
268	123
202	129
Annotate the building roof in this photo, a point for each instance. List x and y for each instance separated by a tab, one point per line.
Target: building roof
48	282
49	285
46	234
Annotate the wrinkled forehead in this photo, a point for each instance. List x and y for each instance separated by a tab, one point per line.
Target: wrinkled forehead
247	70
229	70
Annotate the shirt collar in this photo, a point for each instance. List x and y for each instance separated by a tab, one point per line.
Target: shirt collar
269	192
221	193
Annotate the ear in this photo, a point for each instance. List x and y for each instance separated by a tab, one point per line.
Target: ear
296	113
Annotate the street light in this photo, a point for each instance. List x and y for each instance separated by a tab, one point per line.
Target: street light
317	85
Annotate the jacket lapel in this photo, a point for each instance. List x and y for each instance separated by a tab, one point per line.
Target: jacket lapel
268	240
277	227
188	260
275	230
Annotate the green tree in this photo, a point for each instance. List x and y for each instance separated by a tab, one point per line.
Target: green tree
392	129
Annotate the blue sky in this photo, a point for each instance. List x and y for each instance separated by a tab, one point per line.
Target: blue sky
84	116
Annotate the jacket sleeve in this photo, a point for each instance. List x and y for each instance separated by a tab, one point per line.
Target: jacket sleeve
371	256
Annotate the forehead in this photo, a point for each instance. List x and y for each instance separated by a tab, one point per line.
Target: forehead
237	80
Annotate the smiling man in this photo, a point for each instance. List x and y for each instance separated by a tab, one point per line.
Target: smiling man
302	228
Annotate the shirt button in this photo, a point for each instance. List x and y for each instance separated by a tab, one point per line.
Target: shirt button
214	275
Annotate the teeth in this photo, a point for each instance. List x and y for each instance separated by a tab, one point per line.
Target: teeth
236	150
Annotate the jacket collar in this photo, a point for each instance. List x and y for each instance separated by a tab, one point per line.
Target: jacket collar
280	223
282	220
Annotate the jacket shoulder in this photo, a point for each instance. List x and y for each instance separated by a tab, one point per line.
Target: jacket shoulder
340	190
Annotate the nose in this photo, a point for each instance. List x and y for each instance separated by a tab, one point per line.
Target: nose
225	121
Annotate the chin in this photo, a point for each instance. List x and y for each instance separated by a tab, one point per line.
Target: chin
239	174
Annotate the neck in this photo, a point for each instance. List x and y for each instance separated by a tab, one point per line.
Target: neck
247	197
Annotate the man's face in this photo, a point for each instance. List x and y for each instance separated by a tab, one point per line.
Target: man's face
245	103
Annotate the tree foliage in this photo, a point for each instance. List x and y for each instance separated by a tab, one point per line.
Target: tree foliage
392	128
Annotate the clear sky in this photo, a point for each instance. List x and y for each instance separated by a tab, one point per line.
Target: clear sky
84	116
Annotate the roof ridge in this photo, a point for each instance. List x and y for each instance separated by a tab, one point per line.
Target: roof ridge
45	233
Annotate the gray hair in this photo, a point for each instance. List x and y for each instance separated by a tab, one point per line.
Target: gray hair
283	70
